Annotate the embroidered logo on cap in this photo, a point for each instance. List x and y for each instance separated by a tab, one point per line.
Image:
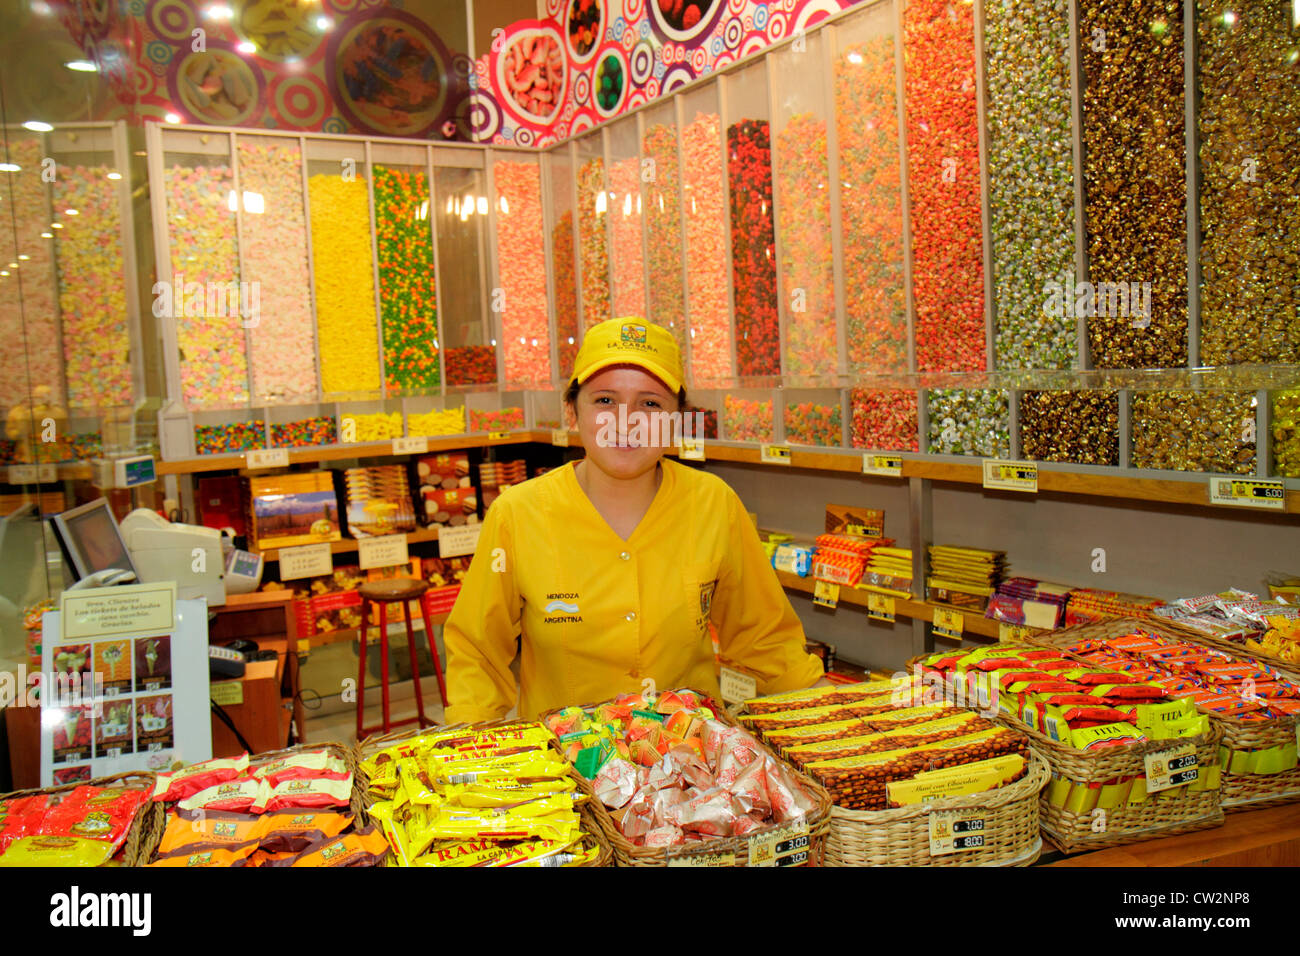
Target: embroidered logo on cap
633	334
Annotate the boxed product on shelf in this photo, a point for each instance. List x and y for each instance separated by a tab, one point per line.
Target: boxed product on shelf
444	576
496	476
1112	756
1029	602
286	808
1091	605
447	492
223	503
496	794
889	571
909	758
672	776
964	577
293	509
793	558
378	501
1255	706
842	558
92	823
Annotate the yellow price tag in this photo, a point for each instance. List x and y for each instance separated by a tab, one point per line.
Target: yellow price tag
885	466
691	450
948	623
1010	475
1014	633
498	436
774	454
826	594
1248	493
560	437
780	846
880	607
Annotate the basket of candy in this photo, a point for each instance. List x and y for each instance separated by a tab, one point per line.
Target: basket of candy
915	780
1128	760
1252	703
494	794
103	822
676	782
296	807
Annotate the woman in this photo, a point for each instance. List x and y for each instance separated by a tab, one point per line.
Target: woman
611	568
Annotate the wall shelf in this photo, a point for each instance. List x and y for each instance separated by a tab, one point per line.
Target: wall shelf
351	544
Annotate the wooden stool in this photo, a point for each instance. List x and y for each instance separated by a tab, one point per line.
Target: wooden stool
380	594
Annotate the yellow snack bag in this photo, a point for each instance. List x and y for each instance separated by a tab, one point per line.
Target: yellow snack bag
56	851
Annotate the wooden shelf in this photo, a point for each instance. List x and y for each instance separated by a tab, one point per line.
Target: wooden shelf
972	624
369	449
350	544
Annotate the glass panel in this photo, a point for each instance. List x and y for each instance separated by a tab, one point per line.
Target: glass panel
625	219
944	177
408	301
753	241
521	263
1286	433
273	232
206	286
747	416
969	421
563	274
302	426
1249	151
804	196
1133	137
1074	426
664	220
813	416
1031	180
461	198
343	267
704	205
1195	430
871	204
593	201
884	419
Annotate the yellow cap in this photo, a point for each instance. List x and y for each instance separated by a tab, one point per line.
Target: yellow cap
630	341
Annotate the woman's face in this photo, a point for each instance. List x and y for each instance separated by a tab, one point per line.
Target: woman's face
625	420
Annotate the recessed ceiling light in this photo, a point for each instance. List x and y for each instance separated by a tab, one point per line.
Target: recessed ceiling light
36	126
82	66
47	235
324	23
114	175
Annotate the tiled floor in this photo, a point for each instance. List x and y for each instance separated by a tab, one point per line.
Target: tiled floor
340	724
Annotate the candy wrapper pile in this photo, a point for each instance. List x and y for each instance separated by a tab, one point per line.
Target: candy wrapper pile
289	810
84	826
498	795
670	773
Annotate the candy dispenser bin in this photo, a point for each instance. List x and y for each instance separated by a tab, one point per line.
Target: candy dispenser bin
521	269
746	112
461	206
883	416
343	267
227	432
967	416
432	416
1285	431
1070	425
545	409
564	277
871	192
593	229
375	420
626	218
803	187
748	415
663	219
708	250
1199	427
495	412
706	404
301	426
814	416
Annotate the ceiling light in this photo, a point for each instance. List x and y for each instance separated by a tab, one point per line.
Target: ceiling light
82	66
36	126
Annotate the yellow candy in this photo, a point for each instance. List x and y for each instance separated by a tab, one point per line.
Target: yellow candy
449	422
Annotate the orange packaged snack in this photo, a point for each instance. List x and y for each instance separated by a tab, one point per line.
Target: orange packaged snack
293	830
366	847
193	828
209	856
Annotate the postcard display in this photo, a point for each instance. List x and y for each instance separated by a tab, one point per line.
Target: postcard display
126	683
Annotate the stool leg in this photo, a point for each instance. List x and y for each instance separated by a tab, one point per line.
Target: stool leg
433	651
383	660
361	672
415	664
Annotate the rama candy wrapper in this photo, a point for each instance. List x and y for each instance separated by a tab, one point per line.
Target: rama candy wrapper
488	853
473	795
20	817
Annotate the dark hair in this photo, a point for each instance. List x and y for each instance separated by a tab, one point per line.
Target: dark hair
571	396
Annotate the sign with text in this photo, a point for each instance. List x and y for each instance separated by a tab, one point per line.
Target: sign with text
880	607
306	561
1248	493
411	446
385	551
267	458
454	541
1010	475
884	466
774	454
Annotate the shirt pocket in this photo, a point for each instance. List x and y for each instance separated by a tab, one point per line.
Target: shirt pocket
699	585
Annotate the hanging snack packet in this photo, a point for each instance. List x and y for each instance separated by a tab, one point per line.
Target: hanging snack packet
318	792
63	851
176	786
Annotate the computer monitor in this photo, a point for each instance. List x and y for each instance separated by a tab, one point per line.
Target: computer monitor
92	540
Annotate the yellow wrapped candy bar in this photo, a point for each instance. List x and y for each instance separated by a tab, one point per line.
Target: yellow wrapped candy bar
476	795
533	763
488	853
56	851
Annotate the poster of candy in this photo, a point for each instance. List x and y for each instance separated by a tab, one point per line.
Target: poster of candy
113	666
153	723
146	707
153	663
115	729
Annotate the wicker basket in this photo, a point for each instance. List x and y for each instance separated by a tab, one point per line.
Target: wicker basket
901	837
146	829
1179	810
593	832
628	854
1238	791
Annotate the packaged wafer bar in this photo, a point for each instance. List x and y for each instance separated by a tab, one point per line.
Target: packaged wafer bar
820	696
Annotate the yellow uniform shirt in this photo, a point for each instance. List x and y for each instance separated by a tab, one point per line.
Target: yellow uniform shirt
600	615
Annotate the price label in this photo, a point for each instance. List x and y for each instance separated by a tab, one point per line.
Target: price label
737	686
948	623
886	466
155	748
691	450
227	693
703	859
306	561
1248	493
880	607
826	594
498	436
1014	633
385	551
957	831
22	474
1010	475
460	540
1171	768
780	846
112	691
411	446
774	454
304	645
114	752
267	458
560	437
